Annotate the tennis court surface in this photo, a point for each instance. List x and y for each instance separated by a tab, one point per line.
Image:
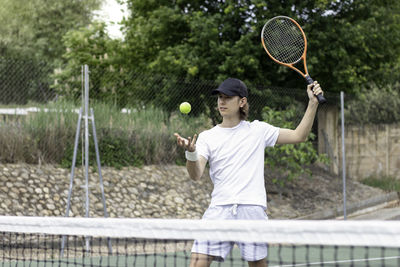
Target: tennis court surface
56	241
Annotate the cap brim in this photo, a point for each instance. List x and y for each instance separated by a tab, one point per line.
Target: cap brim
222	91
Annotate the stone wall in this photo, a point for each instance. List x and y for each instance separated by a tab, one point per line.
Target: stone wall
159	192
151	191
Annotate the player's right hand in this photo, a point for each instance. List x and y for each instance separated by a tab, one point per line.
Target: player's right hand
313	90
188	144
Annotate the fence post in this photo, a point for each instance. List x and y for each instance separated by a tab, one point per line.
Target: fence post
328	123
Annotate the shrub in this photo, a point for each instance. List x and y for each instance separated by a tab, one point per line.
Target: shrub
374	106
289	161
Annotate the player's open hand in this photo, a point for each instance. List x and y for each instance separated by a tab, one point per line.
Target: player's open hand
188	144
313	90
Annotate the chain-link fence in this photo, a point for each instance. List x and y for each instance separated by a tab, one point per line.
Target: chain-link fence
124	99
29	85
136	116
24	81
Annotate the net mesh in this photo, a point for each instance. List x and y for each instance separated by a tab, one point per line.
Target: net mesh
49	241
284	40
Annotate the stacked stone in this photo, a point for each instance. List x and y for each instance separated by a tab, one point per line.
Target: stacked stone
146	192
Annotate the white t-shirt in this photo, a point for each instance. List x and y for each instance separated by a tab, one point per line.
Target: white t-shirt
236	159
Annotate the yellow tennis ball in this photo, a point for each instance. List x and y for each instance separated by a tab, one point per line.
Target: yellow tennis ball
185	107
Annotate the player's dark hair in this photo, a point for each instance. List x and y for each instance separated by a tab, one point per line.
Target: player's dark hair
244	111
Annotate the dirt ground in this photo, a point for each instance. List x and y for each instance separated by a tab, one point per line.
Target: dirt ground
320	192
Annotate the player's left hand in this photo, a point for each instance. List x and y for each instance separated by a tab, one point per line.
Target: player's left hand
188	144
313	90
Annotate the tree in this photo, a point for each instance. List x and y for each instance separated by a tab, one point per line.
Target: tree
350	42
34	28
356	44
31	44
92	46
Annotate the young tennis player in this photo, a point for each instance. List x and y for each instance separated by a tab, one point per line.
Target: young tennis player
235	152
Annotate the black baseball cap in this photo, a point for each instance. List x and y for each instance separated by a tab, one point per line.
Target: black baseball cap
232	87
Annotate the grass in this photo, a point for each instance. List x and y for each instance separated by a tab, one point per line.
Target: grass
387	183
143	136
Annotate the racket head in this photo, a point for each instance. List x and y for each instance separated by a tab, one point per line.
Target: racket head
284	40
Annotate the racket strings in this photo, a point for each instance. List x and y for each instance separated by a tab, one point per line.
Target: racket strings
284	40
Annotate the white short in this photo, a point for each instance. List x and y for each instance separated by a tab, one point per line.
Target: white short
249	251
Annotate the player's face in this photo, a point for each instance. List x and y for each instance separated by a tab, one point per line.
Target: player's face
228	105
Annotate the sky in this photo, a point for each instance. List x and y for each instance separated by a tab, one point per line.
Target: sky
111	12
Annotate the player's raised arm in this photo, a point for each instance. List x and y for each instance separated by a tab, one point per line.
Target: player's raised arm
288	136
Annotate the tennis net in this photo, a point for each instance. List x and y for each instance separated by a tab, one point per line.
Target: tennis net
56	241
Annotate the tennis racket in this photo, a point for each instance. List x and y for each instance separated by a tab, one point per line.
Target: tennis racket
285	42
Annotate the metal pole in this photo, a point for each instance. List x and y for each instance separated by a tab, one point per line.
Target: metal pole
86	117
99	170
343	155
98	163
71	183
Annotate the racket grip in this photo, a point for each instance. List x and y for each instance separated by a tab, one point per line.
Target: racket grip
320	97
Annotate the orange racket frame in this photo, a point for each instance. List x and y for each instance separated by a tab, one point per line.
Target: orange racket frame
303	57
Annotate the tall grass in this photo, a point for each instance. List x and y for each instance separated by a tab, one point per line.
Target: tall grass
37	137
142	136
387	183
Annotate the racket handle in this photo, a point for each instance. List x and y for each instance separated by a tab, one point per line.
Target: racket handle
320	97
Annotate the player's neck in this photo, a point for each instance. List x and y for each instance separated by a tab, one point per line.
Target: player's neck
229	122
